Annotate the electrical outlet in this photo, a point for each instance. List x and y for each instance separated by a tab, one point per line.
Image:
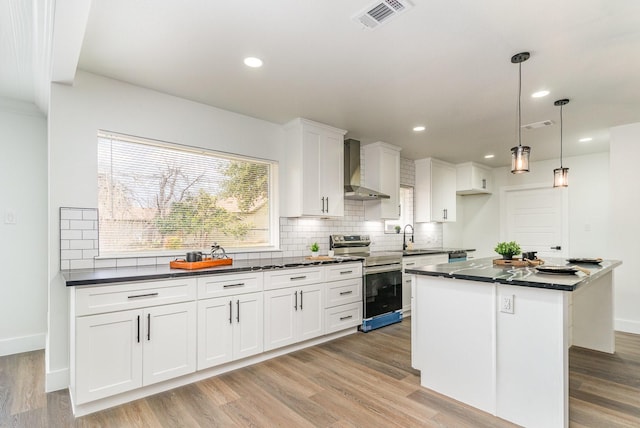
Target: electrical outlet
506	304
9	217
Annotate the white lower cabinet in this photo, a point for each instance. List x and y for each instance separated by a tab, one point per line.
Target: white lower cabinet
292	315
229	328
121	351
413	262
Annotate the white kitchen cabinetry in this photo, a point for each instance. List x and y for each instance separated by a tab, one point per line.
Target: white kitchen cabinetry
313	171
435	191
230	318
472	178
382	173
229	328
414	262
114	352
343	297
292	315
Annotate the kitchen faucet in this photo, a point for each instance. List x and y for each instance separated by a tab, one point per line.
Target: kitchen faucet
404	236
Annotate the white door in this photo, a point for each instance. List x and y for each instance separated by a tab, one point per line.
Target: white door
108	354
280	315
169	348
248	325
536	218
310	312
215	332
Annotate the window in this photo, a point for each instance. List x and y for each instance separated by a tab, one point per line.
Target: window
406	211
155	196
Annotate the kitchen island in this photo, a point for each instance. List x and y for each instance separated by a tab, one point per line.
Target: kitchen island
497	338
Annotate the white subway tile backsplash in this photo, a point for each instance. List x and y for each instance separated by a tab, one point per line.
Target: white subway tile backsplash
70	214
80	264
64	244
64	224
126	262
90	234
70	234
82	224
80	244
146	261
90	214
70	254
104	263
64	264
89	254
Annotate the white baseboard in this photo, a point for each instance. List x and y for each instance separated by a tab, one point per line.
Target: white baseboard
18	345
627	326
56	380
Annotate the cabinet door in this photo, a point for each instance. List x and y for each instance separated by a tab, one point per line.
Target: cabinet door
443	196
215	331
108	354
280	311
312	203
310	312
169	342
390	184
248	328
332	174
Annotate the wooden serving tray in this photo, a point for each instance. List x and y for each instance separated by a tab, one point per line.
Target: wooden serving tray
518	263
319	258
181	264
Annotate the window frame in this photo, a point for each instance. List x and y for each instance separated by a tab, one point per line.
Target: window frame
273	200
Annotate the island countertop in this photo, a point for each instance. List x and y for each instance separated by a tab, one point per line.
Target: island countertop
484	270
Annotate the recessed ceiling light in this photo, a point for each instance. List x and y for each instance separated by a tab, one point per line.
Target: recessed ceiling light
419	128
489	156
253	62
539	94
584	140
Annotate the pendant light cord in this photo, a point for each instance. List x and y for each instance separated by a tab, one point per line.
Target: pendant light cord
561	136
519	109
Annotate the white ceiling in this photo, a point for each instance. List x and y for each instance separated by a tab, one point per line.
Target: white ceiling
444	63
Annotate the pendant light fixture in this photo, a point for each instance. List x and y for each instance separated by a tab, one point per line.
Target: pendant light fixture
561	175
520	153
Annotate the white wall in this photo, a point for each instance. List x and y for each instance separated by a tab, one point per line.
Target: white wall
625	231
589	222
23	174
93	103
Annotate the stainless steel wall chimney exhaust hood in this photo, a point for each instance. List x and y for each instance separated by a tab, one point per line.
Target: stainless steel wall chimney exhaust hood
352	188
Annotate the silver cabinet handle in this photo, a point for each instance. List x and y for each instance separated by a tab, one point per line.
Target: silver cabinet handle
344	293
148	326
484	183
240	284
230	312
322	204
138	328
346	272
327	204
399	210
296	304
346	318
300	299
294	278
238	310
140	296
410	264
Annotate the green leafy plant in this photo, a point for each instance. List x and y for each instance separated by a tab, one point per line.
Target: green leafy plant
315	247
397	228
507	249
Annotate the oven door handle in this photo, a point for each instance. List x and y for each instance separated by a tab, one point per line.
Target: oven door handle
382	269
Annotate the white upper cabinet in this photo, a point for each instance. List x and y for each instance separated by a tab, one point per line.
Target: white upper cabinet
382	172
312	176
435	191
472	179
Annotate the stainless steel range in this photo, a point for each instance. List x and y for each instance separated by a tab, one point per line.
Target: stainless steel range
382	279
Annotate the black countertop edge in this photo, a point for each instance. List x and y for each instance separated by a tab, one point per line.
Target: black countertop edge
99	276
429	251
549	286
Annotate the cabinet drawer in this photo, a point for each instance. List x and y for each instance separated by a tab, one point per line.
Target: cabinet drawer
292	277
230	284
344	271
133	295
341	317
342	292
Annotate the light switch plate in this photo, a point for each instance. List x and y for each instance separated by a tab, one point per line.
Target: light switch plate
506	303
9	217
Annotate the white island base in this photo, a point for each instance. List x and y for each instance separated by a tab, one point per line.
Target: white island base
513	365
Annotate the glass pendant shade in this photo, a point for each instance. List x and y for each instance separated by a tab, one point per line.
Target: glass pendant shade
561	177
520	159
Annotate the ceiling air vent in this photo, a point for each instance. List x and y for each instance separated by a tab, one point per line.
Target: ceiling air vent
540	124
381	12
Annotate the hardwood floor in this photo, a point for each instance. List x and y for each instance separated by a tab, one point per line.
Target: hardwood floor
362	380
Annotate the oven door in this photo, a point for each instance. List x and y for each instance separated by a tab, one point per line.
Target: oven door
382	290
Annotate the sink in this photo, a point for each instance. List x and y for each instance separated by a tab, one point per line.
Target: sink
416	252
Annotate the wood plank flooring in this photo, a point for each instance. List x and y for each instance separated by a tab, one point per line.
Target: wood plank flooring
362	380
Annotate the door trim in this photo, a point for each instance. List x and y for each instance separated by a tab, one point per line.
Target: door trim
564	207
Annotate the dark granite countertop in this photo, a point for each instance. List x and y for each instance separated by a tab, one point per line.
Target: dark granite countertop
143	273
483	270
427	251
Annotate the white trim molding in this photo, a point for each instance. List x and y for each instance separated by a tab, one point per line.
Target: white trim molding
18	345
